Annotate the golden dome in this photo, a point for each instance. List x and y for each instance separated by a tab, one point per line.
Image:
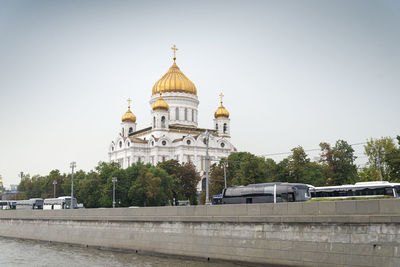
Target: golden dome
129	116
174	81
160	104
221	112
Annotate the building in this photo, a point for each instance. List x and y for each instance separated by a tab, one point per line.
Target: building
173	132
11	194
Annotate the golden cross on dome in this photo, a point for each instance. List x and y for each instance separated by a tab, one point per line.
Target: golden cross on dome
174	48
221	95
129	102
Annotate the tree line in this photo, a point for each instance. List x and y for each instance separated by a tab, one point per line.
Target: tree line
138	185
336	166
146	185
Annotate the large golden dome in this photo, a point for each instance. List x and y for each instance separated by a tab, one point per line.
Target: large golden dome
221	112
174	81
160	104
129	116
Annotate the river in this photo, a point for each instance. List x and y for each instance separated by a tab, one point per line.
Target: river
15	252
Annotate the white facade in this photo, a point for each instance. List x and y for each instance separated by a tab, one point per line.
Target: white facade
173	133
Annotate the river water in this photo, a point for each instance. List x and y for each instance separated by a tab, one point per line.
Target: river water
15	252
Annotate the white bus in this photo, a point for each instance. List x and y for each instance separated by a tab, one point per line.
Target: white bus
30	204
358	190
7	204
59	203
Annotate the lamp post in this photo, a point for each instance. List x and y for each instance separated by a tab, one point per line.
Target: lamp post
72	165
114	180
224	163
207	168
54	184
224	175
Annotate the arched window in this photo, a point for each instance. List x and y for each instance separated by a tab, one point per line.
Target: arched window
154	122
192	114
216	126
120	144
186	116
130	130
177	113
225	128
162	122
123	133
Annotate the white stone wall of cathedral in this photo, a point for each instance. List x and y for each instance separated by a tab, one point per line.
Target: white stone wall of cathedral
127	127
224	127
157	122
129	152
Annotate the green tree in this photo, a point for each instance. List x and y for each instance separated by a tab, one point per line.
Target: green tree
338	163
90	190
282	172
185	179
188	178
345	170
377	151
151	188
392	159
172	167
326	161
217	183
297	165
314	174
251	170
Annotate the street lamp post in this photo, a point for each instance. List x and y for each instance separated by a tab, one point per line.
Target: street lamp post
207	168
114	180
72	165
54	184
224	175
224	163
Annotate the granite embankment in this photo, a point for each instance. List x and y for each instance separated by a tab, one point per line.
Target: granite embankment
340	233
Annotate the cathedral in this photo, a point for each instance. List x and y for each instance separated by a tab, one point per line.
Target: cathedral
173	132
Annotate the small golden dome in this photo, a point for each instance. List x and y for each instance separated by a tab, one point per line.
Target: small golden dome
174	81
129	116
160	104
221	112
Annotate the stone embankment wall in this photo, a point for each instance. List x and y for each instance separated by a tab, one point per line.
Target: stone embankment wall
340	233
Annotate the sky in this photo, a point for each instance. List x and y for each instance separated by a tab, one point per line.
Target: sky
294	73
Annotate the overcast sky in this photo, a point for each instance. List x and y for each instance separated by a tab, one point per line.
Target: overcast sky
292	72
